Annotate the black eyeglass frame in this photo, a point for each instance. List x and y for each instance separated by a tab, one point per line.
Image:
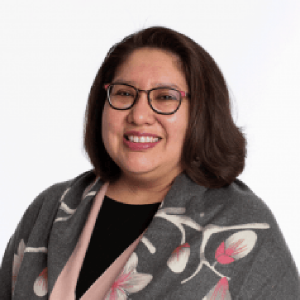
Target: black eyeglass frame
108	87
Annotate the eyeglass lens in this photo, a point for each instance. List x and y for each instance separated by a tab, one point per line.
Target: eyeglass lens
164	100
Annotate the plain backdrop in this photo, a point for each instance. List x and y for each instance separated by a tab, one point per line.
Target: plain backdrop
50	52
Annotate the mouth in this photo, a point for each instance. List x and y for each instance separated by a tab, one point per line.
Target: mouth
141	139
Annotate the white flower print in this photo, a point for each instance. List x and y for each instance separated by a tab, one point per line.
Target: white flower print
179	258
129	281
235	247
17	263
40	286
220	291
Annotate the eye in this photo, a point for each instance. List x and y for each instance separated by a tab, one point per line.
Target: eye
166	95
124	93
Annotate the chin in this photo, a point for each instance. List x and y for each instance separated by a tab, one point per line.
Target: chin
138	171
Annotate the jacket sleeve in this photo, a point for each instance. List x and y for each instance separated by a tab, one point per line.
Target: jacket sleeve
6	271
273	274
14	252
286	286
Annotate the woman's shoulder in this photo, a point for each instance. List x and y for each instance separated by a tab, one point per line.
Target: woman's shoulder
232	203
56	191
239	201
238	207
43	209
239	215
48	201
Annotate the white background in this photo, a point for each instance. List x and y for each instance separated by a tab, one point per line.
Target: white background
50	52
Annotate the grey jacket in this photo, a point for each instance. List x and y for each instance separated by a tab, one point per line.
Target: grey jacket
208	244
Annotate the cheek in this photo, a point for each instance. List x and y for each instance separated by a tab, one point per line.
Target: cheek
112	125
108	119
176	127
104	124
107	126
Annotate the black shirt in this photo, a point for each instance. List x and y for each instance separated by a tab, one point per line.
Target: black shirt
117	226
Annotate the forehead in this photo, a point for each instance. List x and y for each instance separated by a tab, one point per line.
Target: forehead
151	64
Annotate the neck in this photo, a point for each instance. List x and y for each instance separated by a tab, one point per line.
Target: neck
136	191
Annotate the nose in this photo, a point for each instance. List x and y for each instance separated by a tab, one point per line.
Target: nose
141	112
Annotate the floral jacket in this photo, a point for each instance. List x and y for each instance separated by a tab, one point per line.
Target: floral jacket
209	244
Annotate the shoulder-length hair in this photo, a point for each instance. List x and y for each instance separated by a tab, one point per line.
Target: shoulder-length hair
214	149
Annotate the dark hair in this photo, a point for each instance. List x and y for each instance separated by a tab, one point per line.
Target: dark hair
214	149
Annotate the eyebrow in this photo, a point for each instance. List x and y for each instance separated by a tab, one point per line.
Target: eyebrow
157	84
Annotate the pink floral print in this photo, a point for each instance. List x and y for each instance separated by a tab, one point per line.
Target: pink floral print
129	281
219	291
236	246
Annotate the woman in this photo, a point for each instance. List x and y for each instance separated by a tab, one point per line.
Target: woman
174	222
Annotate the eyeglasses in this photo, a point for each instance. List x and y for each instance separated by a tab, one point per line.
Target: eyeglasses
162	100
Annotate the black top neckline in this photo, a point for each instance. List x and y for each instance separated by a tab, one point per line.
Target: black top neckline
116	202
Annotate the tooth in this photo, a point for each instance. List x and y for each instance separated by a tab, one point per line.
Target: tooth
142	139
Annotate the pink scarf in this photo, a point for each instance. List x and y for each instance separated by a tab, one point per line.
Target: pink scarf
64	288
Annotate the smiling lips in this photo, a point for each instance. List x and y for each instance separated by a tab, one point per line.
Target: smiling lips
140	141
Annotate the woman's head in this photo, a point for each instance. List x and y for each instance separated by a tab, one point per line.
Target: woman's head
142	140
213	149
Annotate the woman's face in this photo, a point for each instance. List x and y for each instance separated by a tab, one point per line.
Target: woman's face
146	69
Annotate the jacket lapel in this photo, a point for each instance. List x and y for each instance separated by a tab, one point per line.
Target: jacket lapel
68	225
